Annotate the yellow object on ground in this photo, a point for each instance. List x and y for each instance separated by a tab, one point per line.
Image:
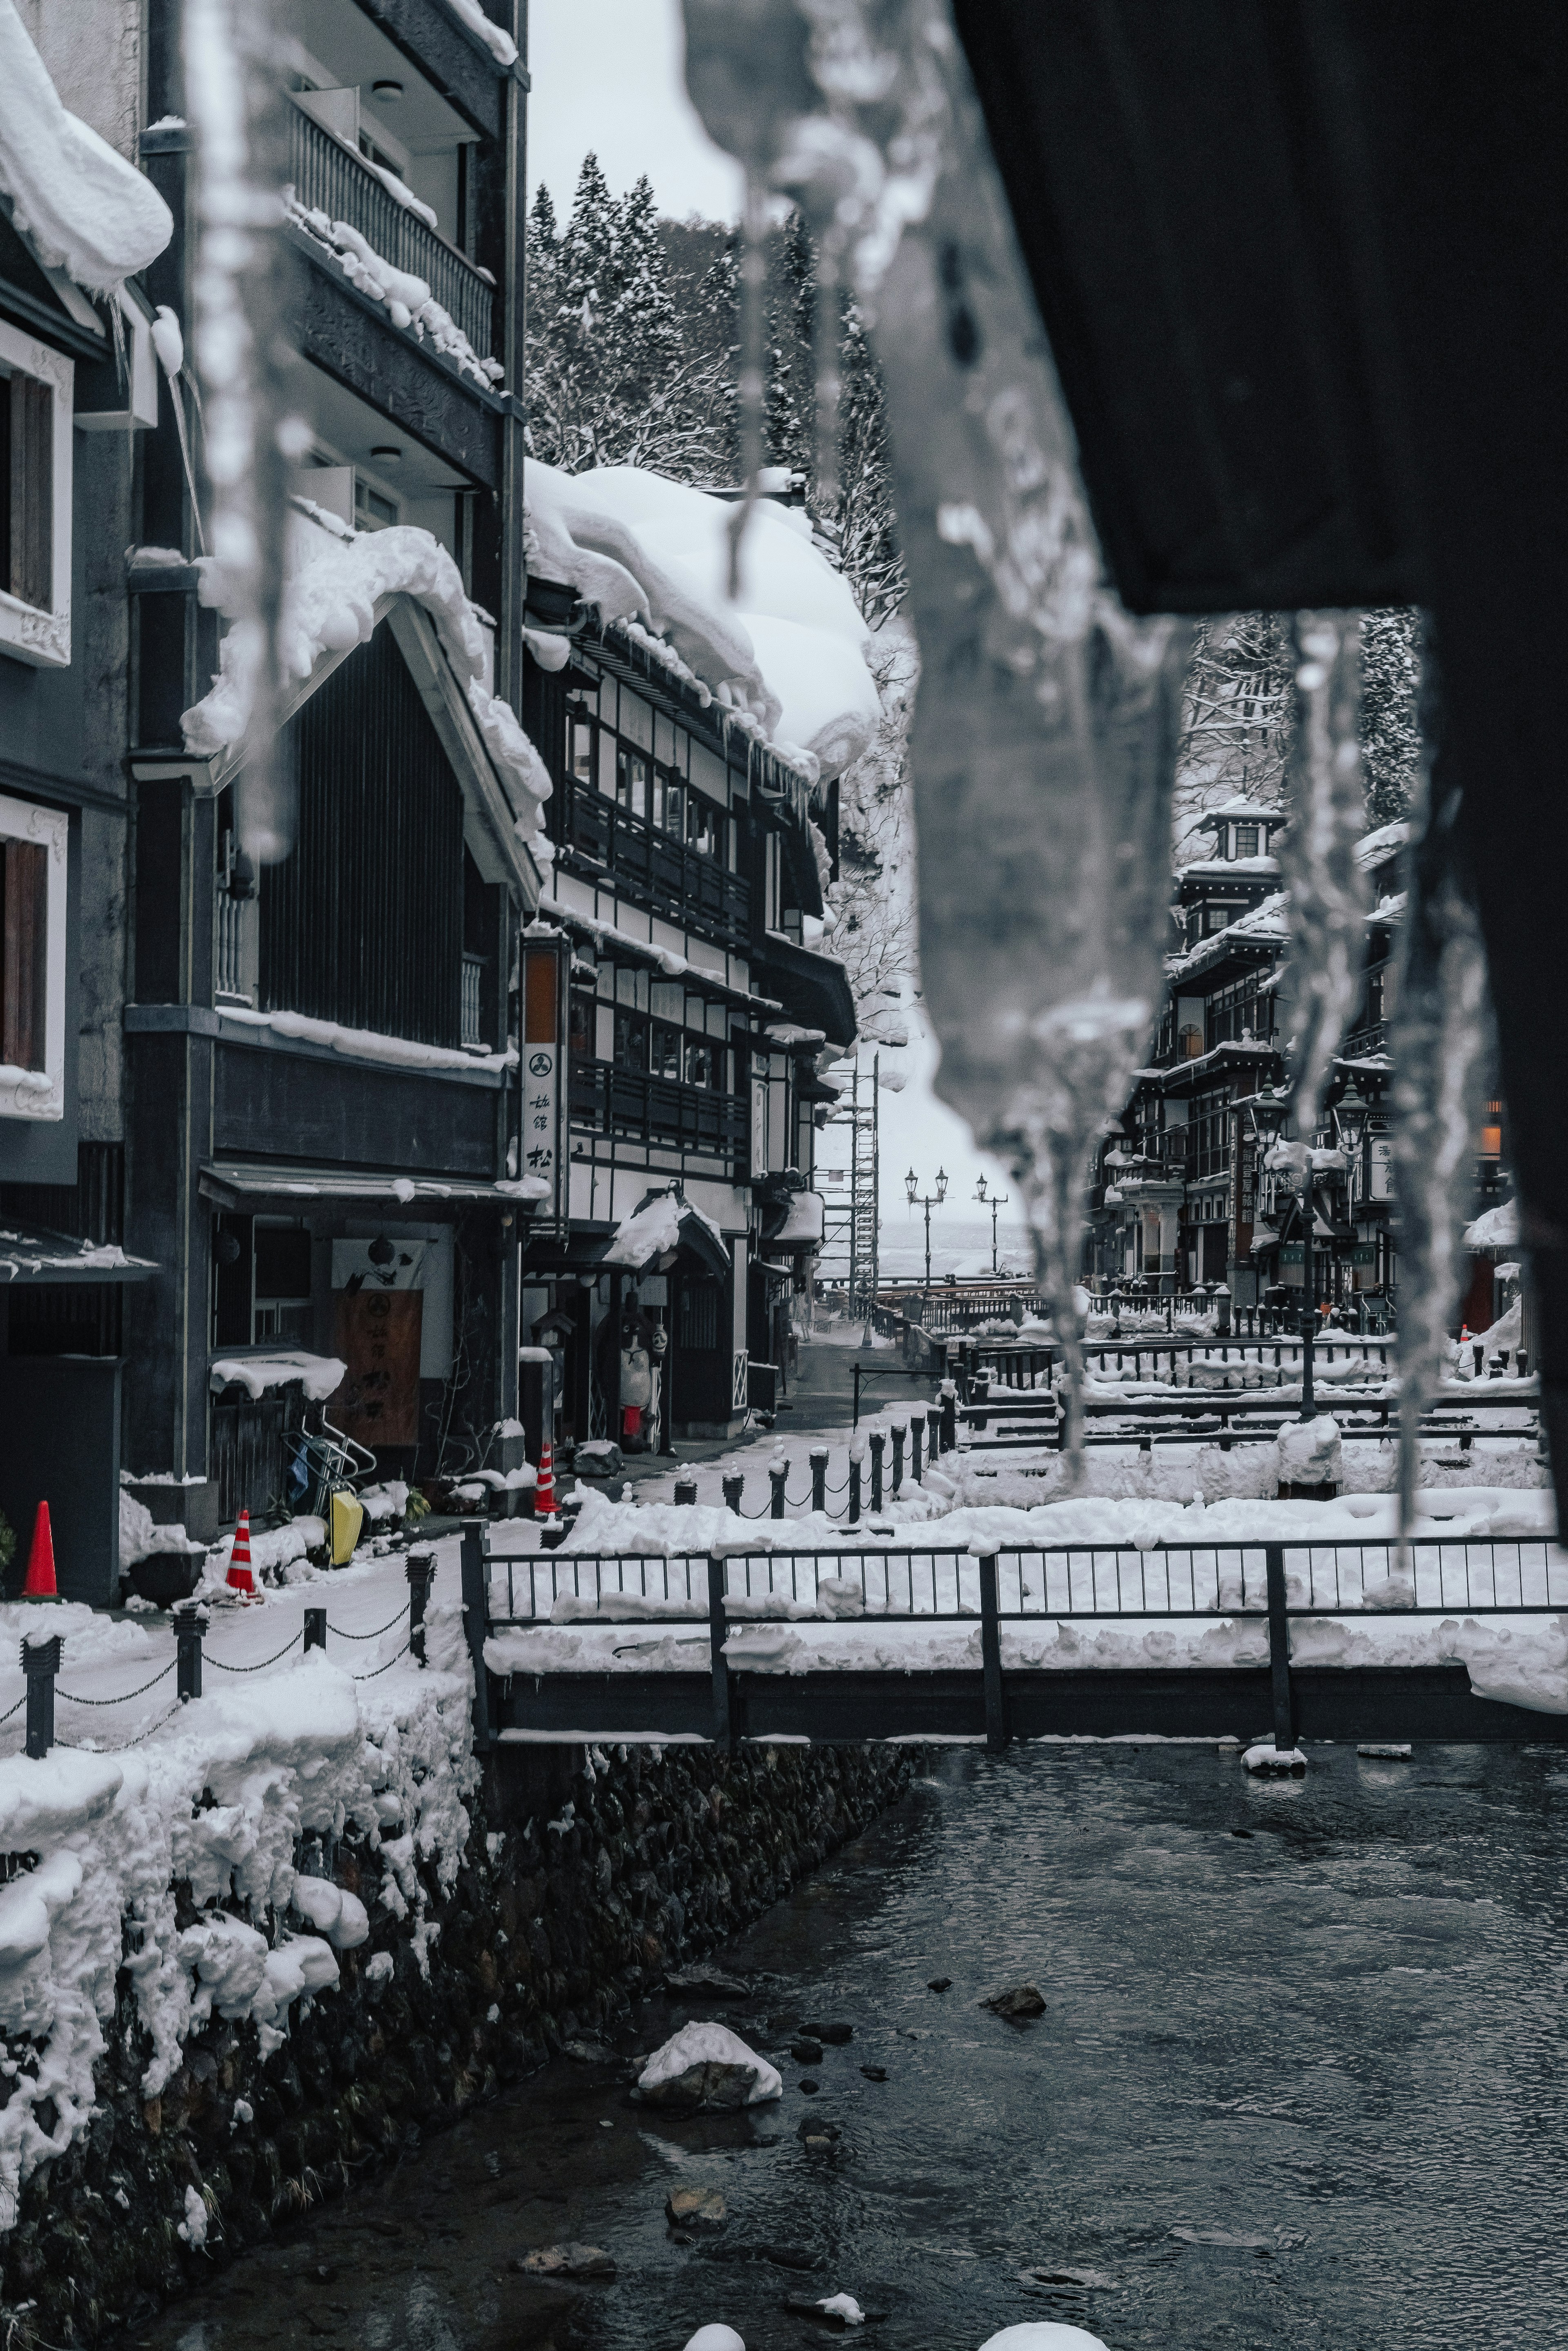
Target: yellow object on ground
348	1518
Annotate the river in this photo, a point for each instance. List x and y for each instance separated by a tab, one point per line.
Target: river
1325	2019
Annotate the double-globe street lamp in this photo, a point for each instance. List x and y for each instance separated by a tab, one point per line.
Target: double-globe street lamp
917	1199
997	1200
1267	1111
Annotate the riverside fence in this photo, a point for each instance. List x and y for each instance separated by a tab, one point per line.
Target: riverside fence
733	1638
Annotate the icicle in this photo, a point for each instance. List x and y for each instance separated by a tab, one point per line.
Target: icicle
234	70
1442	1048
170	346
1329	894
753	346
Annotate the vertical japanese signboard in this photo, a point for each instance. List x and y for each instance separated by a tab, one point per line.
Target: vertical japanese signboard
545	976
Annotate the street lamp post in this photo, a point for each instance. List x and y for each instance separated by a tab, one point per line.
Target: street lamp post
917	1199
1352	1111
997	1200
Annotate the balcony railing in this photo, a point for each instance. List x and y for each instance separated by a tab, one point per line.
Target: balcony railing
330	177
672	880
473	975
608	1100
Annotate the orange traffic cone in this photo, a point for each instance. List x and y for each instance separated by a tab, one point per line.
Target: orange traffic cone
40	1584
240	1578
544	1492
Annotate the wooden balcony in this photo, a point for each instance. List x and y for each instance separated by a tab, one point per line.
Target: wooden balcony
629	1102
600	838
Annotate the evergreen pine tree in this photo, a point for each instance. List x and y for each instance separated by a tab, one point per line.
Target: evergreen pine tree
1391	744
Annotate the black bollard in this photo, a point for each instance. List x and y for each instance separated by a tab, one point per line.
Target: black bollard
685	1491
40	1662
190	1624
421	1572
933	1431
855	1516
878	1441
917	1425
315	1628
734	1485
779	1479
898	1434
820	1478
949	1422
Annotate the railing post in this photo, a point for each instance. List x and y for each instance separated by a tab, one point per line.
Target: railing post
41	1655
898	1436
190	1624
724	1723
854	1512
315	1629
421	1574
685	1491
917	1426
820	1478
991	1656
878	1442
734	1485
476	1625
778	1477
949	1417
1279	1650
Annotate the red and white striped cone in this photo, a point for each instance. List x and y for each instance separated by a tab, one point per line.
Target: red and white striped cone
240	1578
544	1491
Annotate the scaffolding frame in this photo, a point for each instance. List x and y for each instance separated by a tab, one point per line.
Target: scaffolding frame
852	1226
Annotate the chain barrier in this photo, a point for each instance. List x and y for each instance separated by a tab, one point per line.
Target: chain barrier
21	1702
125	1696
120	1745
259	1668
376	1636
383	1669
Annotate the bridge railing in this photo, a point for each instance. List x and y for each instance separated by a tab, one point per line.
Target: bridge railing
893	1582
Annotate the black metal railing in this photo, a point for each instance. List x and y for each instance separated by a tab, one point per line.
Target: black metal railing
605	1099
330	177
679	882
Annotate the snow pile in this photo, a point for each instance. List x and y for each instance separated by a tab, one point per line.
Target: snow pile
789	658
1043	2334
1498	1229
654	1229
318	1375
140	1538
333	585
1309	1452
217	1798
710	2044
85	209
408	298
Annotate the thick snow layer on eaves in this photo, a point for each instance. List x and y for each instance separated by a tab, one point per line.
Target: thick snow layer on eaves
409	302
1497	1228
333	583
653	1228
788	653
85	209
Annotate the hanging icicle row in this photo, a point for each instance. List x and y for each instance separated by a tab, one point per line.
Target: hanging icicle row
1329	896
753	354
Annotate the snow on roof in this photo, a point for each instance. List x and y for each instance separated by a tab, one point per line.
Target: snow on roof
786	1033
1373	848
1239	810
501	46
1266	921
40	1254
334	578
788	658
85	208
655	1227
368	1044
803	1224
1218	868
318	1375
1498	1229
408	300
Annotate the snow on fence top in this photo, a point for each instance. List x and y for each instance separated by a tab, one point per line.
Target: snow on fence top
88	210
788	657
335	578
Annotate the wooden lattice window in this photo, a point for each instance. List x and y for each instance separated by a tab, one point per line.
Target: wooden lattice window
24	953
27	490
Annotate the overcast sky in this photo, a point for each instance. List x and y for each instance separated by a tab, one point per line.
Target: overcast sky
607	78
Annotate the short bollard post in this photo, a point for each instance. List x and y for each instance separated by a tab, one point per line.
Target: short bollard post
734	1485
820	1478
949	1417
421	1574
915	1428
898	1436
315	1628
475	1588
933	1432
686	1489
854	1514
41	1663
1279	1650
991	1656
723	1722
878	1445
778	1477
190	1624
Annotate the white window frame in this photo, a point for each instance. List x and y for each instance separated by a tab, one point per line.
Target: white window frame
44	639
21	1095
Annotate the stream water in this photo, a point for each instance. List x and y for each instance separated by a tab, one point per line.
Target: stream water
1324	2019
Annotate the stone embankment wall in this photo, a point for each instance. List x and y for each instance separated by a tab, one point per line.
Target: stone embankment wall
584	1878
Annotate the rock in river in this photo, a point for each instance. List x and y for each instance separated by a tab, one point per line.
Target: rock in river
1020	2002
566	2262
694	2207
707	2065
